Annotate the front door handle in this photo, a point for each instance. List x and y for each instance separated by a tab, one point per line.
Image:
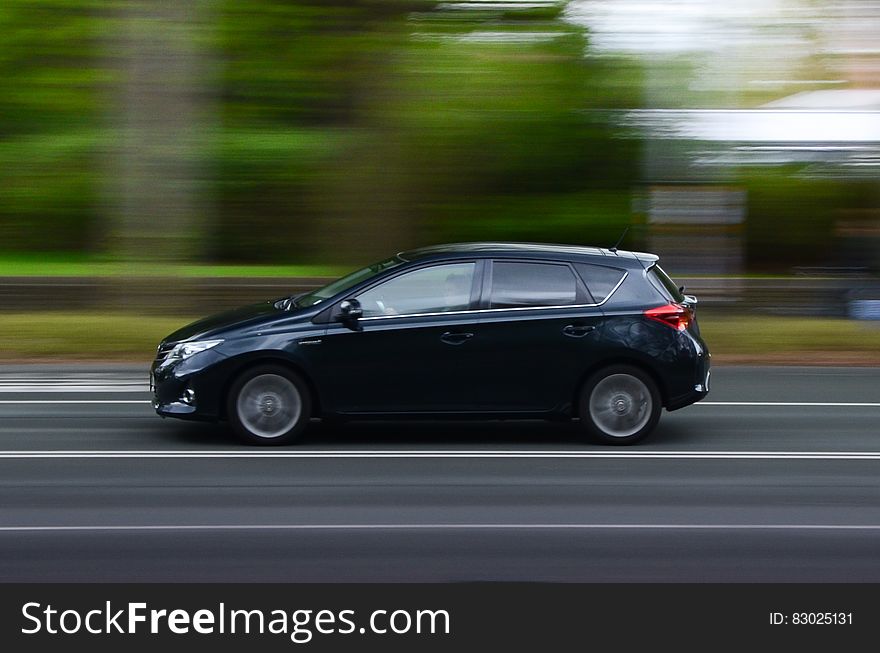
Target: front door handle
576	330
451	338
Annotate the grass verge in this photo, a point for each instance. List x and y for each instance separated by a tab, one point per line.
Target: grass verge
93	336
769	335
82	336
50	265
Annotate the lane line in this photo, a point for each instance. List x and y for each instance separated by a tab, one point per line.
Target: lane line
440	526
788	403
49	402
820	404
444	454
35	388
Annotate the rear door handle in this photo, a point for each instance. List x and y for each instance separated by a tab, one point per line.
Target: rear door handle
451	338
576	330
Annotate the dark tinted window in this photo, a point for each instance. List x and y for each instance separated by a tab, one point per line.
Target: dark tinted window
531	284
599	279
635	290
666	283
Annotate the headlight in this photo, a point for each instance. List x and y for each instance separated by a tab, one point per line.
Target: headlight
184	350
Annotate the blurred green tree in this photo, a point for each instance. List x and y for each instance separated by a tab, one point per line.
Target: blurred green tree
324	131
50	123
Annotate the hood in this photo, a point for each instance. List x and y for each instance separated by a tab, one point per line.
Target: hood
220	323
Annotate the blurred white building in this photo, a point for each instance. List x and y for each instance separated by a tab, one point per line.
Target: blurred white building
743	82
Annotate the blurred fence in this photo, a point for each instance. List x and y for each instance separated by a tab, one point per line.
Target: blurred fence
827	296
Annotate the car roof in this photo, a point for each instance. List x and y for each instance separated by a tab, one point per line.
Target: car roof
532	250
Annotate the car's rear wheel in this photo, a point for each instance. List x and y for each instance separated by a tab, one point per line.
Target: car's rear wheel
269	405
620	404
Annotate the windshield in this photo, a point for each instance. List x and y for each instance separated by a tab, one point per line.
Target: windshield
344	283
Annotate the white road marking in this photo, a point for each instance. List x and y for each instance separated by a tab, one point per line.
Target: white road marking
132	385
825	404
32	388
441	453
49	402
444	526
787	403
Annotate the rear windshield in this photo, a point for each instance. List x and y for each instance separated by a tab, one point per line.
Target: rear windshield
666	284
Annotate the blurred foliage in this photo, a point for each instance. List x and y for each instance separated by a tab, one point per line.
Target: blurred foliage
792	219
513	140
330	132
334	131
50	123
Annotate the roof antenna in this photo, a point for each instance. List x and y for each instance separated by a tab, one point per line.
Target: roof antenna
619	240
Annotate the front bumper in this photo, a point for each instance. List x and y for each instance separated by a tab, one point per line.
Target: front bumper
176	409
186	389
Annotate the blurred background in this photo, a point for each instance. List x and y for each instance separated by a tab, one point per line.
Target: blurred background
160	160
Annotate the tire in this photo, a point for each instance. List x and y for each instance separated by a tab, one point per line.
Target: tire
619	405
269	405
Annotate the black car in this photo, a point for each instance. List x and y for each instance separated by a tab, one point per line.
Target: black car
477	330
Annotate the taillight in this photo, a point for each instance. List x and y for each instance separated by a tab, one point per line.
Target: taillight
674	315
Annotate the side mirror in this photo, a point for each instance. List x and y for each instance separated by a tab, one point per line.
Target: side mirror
350	309
349	312
681	289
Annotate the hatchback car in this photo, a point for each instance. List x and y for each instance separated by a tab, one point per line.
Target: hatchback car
476	330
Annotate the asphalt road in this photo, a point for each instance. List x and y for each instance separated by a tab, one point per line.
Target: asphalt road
776	477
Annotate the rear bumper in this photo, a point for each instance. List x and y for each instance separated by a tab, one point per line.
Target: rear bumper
699	391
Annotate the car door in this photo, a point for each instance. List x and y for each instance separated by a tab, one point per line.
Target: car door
537	332
413	353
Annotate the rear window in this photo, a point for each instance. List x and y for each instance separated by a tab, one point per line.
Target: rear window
667	285
600	280
531	284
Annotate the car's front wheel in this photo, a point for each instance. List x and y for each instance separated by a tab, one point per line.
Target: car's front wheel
269	405
620	404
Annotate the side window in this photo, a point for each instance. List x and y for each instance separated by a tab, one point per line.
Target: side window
427	290
516	284
600	280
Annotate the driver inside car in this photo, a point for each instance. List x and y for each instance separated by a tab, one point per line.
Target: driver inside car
456	297
457	292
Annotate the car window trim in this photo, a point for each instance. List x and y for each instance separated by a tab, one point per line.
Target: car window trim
599	265
499	310
324	316
657	282
581	289
476	282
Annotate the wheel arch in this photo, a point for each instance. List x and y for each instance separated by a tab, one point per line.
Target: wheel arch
249	362
621	359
